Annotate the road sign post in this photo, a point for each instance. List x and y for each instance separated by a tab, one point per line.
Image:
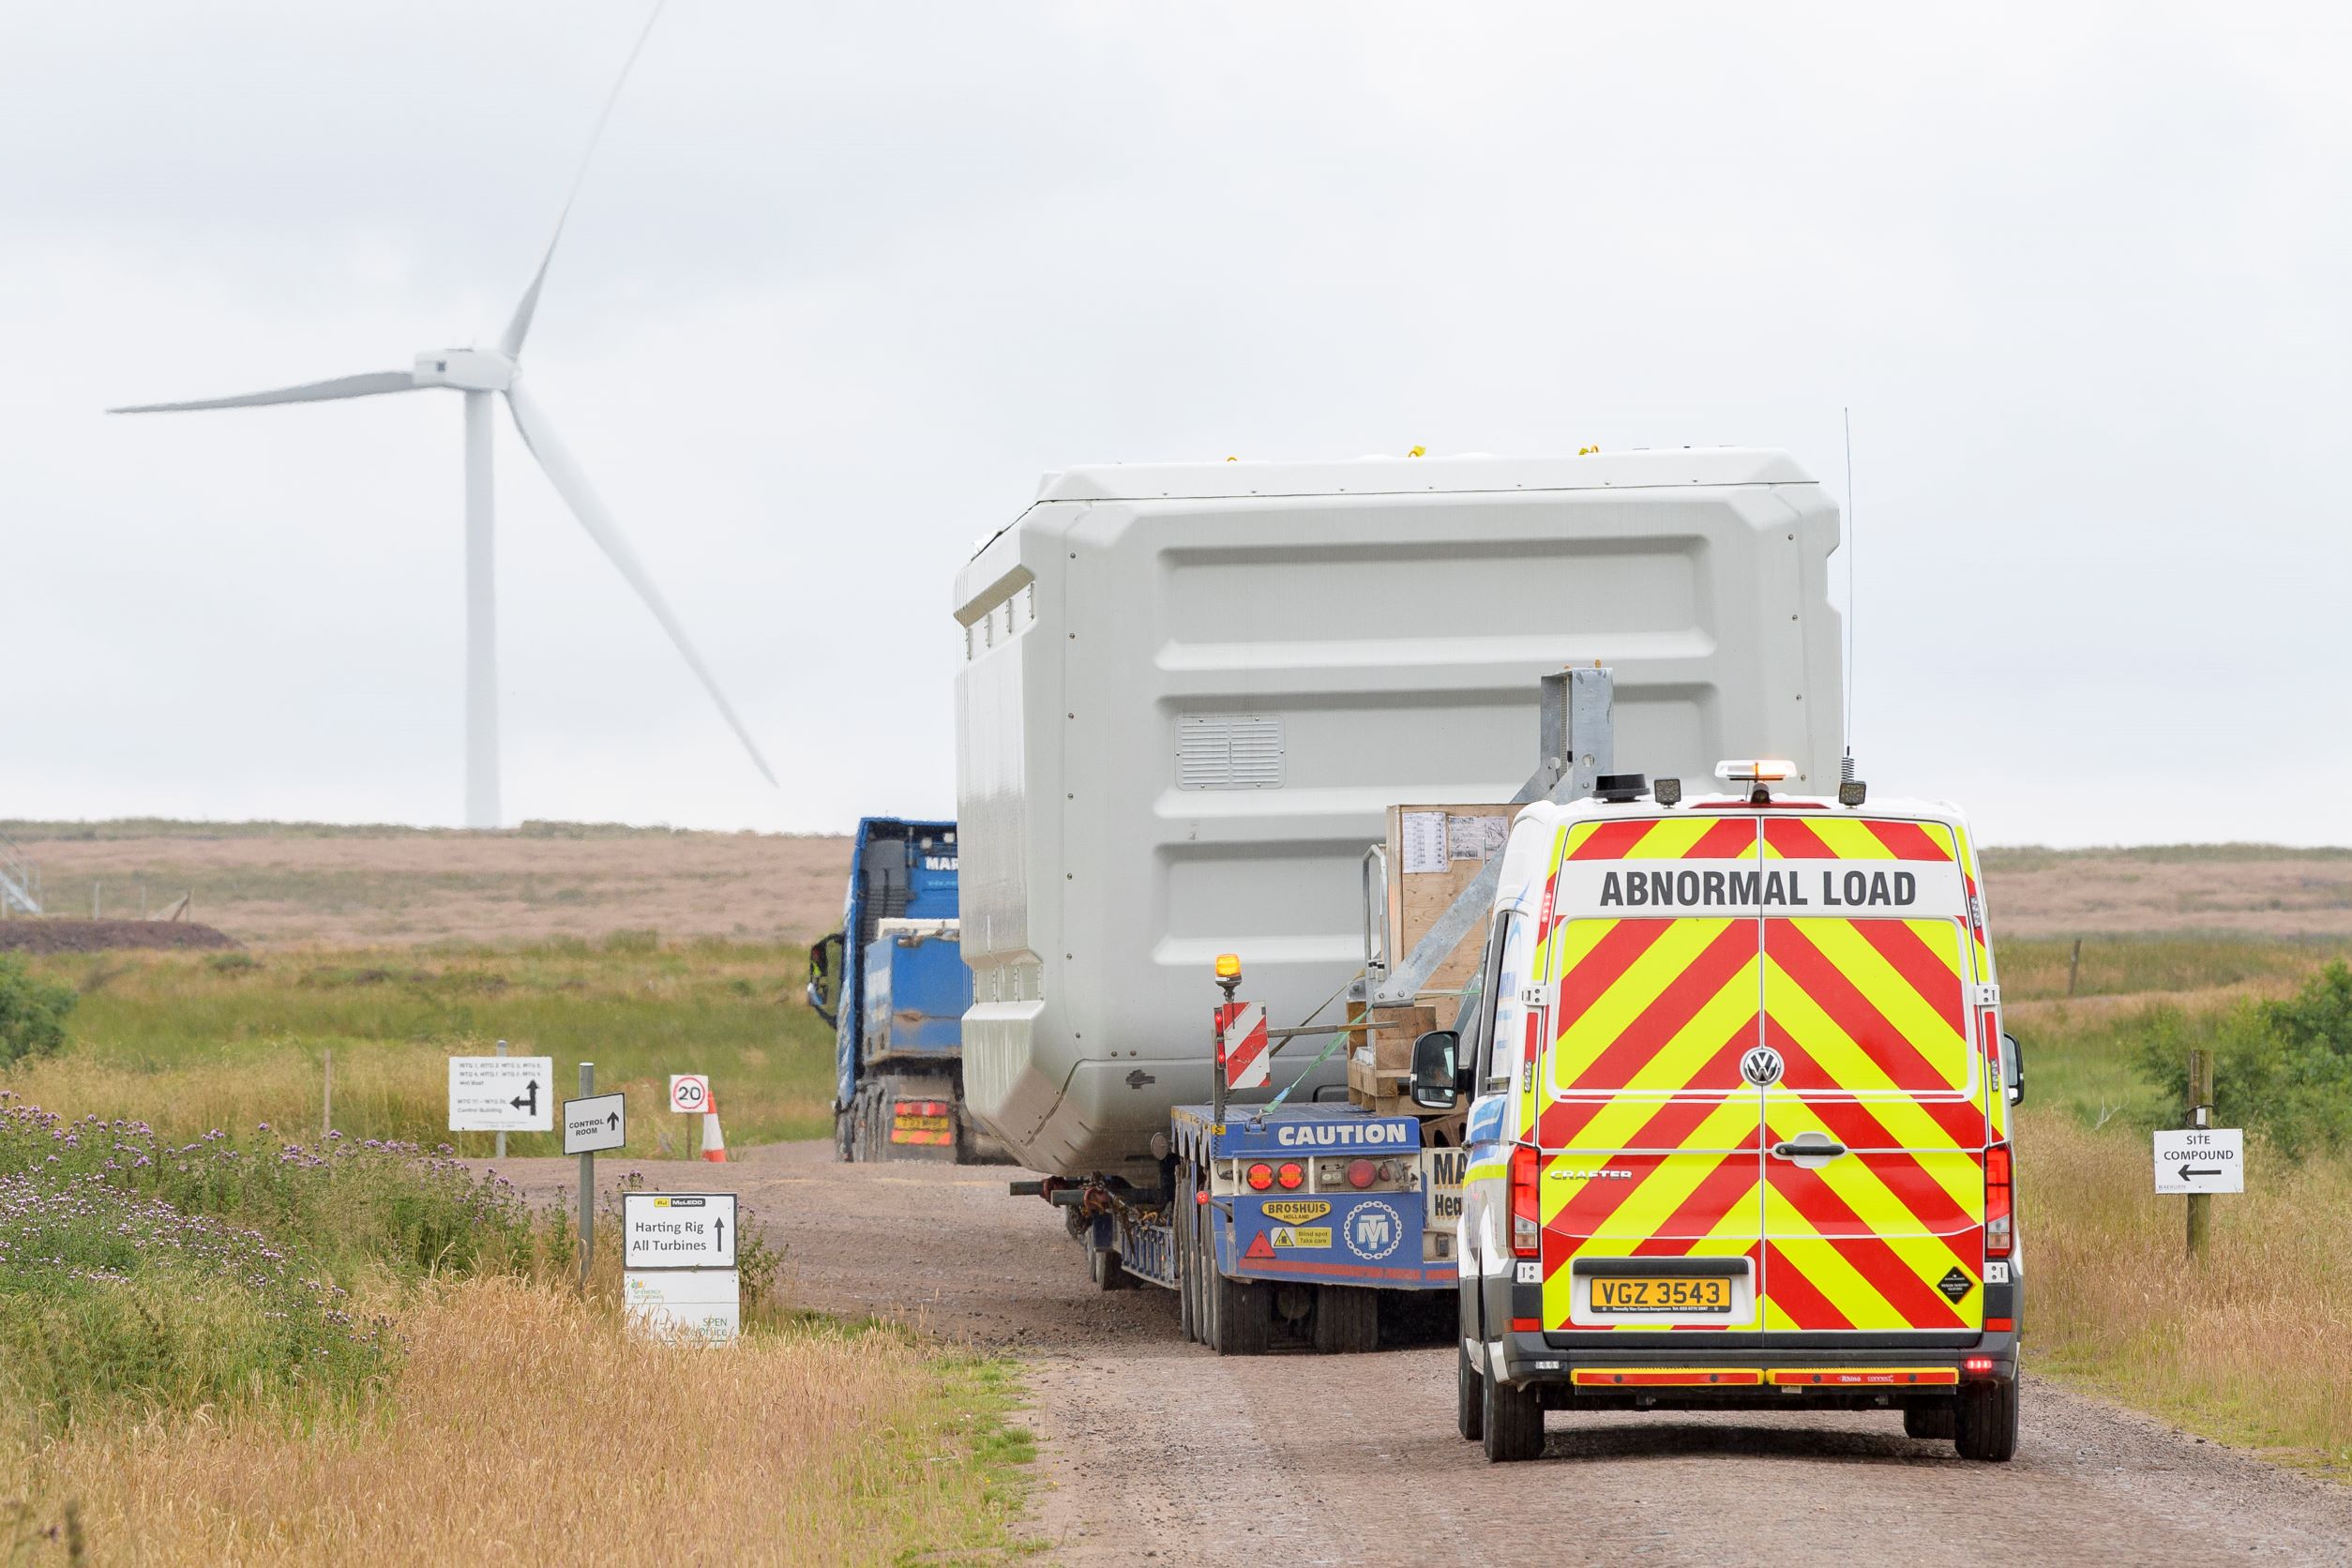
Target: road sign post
2200	1112
587	1183
2200	1159
690	1095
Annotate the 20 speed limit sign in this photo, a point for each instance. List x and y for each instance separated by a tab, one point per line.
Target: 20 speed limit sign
690	1092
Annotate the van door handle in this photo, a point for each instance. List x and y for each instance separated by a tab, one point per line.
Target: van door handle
1808	1147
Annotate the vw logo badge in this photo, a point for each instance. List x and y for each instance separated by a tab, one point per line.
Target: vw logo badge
1761	1066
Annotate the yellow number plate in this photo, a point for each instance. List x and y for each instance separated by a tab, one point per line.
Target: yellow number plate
1641	1293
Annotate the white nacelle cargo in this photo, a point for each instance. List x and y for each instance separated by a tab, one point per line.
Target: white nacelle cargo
1190	693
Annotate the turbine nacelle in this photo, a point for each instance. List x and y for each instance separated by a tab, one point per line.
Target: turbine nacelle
467	369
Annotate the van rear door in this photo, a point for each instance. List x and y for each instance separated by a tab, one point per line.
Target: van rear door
1874	1128
1648	1138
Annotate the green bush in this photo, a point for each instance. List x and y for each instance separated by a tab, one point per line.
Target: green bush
2283	1068
137	1273
32	1012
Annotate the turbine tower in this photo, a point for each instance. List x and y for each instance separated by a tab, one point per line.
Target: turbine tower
482	374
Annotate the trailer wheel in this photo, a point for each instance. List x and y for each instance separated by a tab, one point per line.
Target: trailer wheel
1470	1395
1511	1420
1347	1320
1244	1317
1180	1230
1985	1421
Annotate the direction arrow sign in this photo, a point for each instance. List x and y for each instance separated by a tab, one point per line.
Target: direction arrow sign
2200	1159
677	1229
599	1121
502	1094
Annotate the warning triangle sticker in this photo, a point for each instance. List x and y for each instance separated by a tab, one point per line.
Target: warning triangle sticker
1260	1246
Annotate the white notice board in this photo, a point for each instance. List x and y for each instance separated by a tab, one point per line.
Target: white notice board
502	1094
2200	1159
677	1229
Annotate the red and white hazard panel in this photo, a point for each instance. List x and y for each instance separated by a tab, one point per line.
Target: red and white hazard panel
1248	1064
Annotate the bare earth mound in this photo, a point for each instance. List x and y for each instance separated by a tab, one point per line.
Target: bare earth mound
277	885
99	936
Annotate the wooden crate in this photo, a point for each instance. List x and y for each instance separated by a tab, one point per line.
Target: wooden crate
1434	851
1377	1069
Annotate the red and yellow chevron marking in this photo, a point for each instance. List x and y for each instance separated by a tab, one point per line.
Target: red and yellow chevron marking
1651	1007
1854	838
1868	1007
1870	1018
1989	1021
1671	839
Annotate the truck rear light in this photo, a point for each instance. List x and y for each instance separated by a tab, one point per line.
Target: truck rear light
1290	1175
1527	1218
1361	1174
1977	1366
1999	1235
1260	1176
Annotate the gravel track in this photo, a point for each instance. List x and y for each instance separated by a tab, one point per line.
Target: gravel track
1152	1449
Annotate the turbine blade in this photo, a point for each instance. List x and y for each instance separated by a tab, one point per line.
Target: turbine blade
571	482
520	327
368	385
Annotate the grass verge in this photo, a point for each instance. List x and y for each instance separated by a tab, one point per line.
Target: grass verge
241	1349
191	1041
526	1426
2252	1346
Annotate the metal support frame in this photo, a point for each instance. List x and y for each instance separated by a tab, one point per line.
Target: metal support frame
1578	745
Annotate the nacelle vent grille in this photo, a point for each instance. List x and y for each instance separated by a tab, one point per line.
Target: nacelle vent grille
1229	751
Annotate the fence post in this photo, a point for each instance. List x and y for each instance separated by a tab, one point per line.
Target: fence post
2074	965
2200	1115
327	1098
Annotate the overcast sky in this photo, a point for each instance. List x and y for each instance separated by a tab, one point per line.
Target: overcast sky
843	281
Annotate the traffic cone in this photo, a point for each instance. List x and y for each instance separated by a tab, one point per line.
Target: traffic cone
713	1141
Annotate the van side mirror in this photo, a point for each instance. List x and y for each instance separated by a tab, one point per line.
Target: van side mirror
2013	1069
1436	1084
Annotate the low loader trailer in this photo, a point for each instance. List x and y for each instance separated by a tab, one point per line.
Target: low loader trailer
1194	700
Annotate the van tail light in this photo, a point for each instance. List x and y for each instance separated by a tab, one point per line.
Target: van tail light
1527	1210
1999	1233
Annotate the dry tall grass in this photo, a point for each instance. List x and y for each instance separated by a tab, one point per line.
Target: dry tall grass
2253	1345
528	1428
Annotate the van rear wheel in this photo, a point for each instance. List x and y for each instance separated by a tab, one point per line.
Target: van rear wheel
1470	1395
1985	1421
1929	1421
1511	1421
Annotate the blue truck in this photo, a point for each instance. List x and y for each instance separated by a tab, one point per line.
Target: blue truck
893	984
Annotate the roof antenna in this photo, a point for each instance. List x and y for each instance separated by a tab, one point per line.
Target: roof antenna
1851	790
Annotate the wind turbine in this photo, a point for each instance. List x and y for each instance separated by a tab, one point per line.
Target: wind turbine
482	374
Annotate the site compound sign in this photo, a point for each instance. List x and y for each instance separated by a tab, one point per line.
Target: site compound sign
502	1094
677	1229
2200	1159
690	1092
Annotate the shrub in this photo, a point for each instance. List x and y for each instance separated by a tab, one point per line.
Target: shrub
2283	1067
32	1012
136	1271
